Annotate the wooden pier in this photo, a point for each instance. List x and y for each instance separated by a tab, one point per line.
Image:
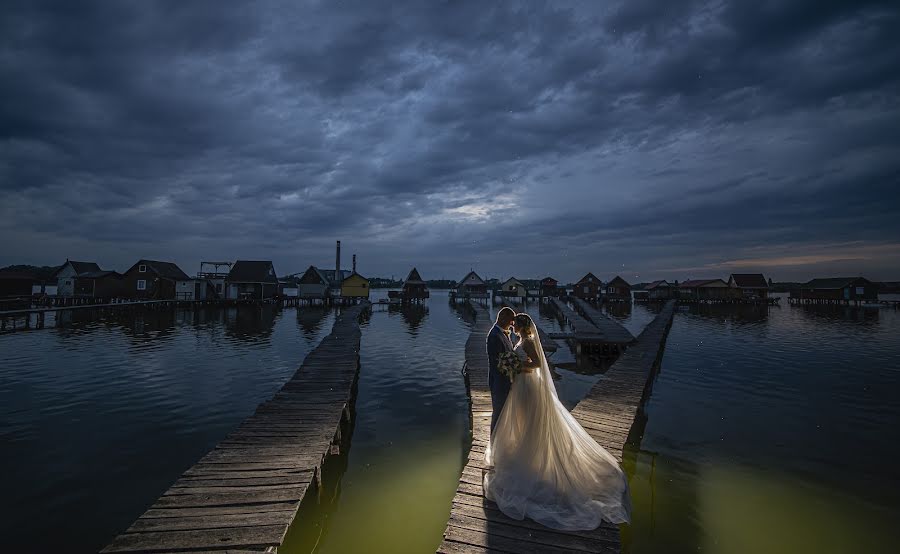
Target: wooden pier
612	330
607	413
243	495
605	337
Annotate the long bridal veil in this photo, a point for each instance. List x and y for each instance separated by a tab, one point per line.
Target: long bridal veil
546	466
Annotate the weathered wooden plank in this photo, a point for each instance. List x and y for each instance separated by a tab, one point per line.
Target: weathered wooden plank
200	500
217	521
238	537
219	510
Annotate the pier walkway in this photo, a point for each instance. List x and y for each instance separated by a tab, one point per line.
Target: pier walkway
611	330
582	329
243	495
607	413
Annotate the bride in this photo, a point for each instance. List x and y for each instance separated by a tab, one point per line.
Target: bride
543	464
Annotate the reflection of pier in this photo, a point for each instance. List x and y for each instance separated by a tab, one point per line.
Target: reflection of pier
607	413
593	331
244	494
34	318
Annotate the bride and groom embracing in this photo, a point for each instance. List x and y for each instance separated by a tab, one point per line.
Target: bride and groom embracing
541	463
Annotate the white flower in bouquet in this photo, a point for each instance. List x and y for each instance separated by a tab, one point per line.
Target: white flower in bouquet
509	364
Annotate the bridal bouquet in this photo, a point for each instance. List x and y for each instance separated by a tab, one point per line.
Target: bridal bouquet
509	364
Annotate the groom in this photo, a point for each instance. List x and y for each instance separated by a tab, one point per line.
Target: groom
498	342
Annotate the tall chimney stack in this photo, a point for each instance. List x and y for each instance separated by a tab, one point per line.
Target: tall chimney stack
354	263
337	263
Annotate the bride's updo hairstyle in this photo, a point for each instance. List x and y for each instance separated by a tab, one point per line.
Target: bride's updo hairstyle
524	325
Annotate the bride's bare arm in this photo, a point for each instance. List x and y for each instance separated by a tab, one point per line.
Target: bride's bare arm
533	361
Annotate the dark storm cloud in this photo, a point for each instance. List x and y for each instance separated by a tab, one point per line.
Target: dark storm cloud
644	137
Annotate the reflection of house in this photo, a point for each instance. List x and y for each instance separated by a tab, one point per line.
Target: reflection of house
837	289
355	286
65	275
251	280
588	287
513	288
748	285
153	280
660	290
472	286
99	284
618	289
414	288
703	289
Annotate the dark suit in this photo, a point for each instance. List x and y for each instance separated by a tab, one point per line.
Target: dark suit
498	383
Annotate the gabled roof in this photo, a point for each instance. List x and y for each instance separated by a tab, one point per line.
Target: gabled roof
79	267
99	274
166	270
247	271
548	280
414	278
513	279
833	282
618	281
329	274
749	280
472	278
657	284
585	278
355	274
693	283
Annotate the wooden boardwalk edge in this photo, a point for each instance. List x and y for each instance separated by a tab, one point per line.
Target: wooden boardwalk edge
608	413
243	495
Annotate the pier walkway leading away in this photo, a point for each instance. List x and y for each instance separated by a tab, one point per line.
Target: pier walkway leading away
607	413
243	495
612	330
582	329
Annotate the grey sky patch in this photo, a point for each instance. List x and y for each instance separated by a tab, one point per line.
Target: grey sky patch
524	139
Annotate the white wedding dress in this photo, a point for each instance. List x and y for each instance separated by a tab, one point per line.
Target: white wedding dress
545	465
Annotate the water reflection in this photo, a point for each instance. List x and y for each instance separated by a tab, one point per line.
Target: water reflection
98	417
413	314
310	319
729	508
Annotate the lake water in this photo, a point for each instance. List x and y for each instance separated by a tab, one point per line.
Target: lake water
768	430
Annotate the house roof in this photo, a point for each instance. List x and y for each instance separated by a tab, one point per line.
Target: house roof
548	280
618	281
414	278
472	278
750	280
329	274
98	274
832	282
692	283
355	274
79	267
585	278
252	271
166	270
513	279
655	284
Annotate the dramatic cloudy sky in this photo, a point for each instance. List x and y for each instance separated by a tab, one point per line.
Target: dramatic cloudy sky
653	139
